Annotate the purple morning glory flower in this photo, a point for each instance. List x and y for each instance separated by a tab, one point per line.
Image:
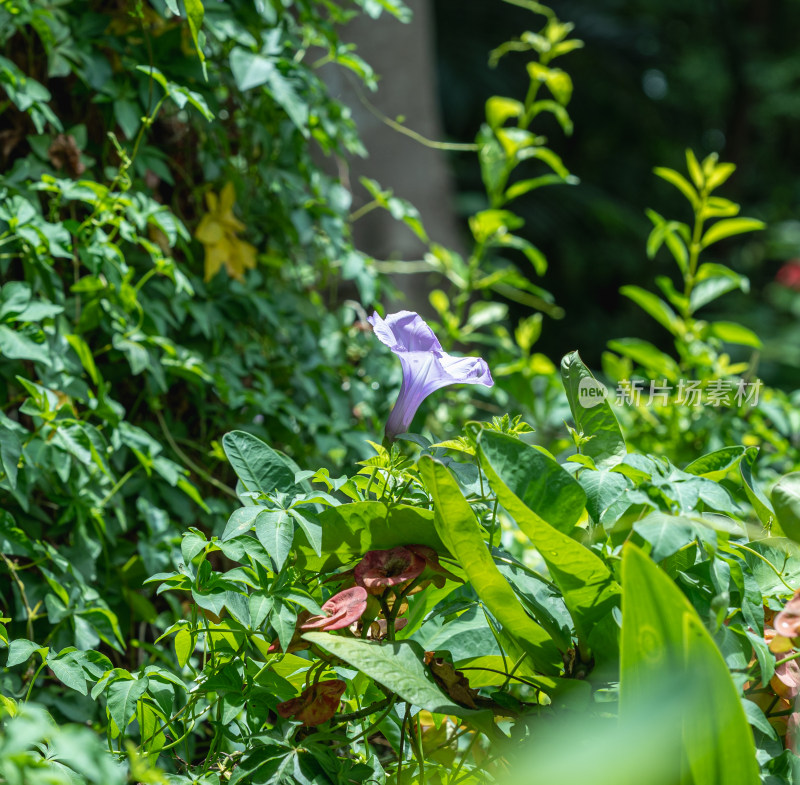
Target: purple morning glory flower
426	366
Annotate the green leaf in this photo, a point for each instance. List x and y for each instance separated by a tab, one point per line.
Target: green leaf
68	670
694	169
760	503
10	453
184	646
666	534
16	346
654	305
500	109
602	489
776	562
260	608
191	545
720	174
546	490
607	445
664	641
680	182
257	465
240	522
712	281
715	465
350	530
122	696
546	502
730	332
194	13
459	530
786	501
647	355
728	228
309	523
399	667
249	69
275	531
85	356
524	186
20	649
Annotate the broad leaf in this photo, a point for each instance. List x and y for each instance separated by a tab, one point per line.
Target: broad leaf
275	531
122	696
257	465
350	530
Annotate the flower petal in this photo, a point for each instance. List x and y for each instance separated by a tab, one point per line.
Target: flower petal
340	611
405	331
392	567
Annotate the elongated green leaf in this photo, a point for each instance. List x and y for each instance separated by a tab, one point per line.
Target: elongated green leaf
653	305
729	227
786	501
310	525
663	639
680	182
647	355
532	487
459	530
257	465
85	356
712	281
350	530
716	464
195	13
607	445
184	646
730	332
756	496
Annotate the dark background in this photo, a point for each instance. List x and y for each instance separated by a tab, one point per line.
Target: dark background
654	78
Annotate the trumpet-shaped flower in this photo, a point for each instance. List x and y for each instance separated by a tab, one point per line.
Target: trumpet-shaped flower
395	567
426	366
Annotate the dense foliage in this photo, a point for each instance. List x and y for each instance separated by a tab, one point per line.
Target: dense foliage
212	569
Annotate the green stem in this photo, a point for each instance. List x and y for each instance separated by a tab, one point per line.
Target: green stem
766	561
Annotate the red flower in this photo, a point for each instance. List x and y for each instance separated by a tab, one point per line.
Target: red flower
789	275
339	611
393	567
316	704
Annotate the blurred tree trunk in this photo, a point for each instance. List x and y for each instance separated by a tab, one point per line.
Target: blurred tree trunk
403	56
